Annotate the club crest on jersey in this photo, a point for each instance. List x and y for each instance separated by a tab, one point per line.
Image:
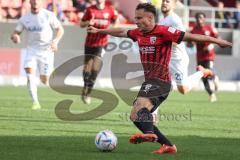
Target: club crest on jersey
153	40
172	30
147	88
106	15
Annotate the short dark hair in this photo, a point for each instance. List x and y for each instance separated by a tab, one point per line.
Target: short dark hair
199	14
148	7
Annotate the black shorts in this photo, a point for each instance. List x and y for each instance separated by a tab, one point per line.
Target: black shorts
94	51
206	64
156	90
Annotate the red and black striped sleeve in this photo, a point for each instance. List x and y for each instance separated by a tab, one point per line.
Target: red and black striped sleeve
87	15
132	34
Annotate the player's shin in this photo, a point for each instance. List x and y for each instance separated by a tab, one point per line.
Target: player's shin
32	87
91	81
161	138
86	77
144	121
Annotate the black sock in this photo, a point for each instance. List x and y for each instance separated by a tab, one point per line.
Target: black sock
207	86
144	121
91	81
86	76
161	138
138	125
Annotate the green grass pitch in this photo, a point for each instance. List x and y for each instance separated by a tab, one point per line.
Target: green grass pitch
201	130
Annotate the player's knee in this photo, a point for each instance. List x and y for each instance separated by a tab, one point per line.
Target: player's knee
132	117
144	115
140	102
183	89
135	109
28	70
44	79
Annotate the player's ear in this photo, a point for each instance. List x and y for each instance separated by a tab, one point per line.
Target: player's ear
151	16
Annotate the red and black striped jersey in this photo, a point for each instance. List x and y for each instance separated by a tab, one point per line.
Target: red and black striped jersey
155	50
103	18
205	51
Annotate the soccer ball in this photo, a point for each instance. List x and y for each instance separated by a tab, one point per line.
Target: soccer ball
106	141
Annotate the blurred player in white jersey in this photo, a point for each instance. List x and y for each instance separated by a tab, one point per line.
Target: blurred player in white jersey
40	25
179	57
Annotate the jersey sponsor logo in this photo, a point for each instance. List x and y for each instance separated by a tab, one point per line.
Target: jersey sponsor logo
147	49
207	33
105	15
101	21
172	30
34	29
210	47
153	40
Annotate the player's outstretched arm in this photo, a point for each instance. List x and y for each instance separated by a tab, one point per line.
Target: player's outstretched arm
116	32
203	38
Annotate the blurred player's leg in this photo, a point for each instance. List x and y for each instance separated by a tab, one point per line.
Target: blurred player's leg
205	79
96	67
212	96
88	61
216	82
30	69
45	61
179	71
32	88
92	66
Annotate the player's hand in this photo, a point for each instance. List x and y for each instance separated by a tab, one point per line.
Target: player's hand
92	20
54	46
92	29
225	44
16	38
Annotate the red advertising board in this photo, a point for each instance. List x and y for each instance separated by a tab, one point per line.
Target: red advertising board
9	61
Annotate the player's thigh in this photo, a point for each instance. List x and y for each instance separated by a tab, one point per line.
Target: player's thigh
45	64
30	62
91	52
92	57
179	71
151	94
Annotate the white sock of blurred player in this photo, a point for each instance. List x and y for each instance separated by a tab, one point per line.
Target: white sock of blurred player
32	88
194	79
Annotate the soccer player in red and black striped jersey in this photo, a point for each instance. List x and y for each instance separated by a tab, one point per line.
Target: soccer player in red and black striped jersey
206	52
155	43
99	16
